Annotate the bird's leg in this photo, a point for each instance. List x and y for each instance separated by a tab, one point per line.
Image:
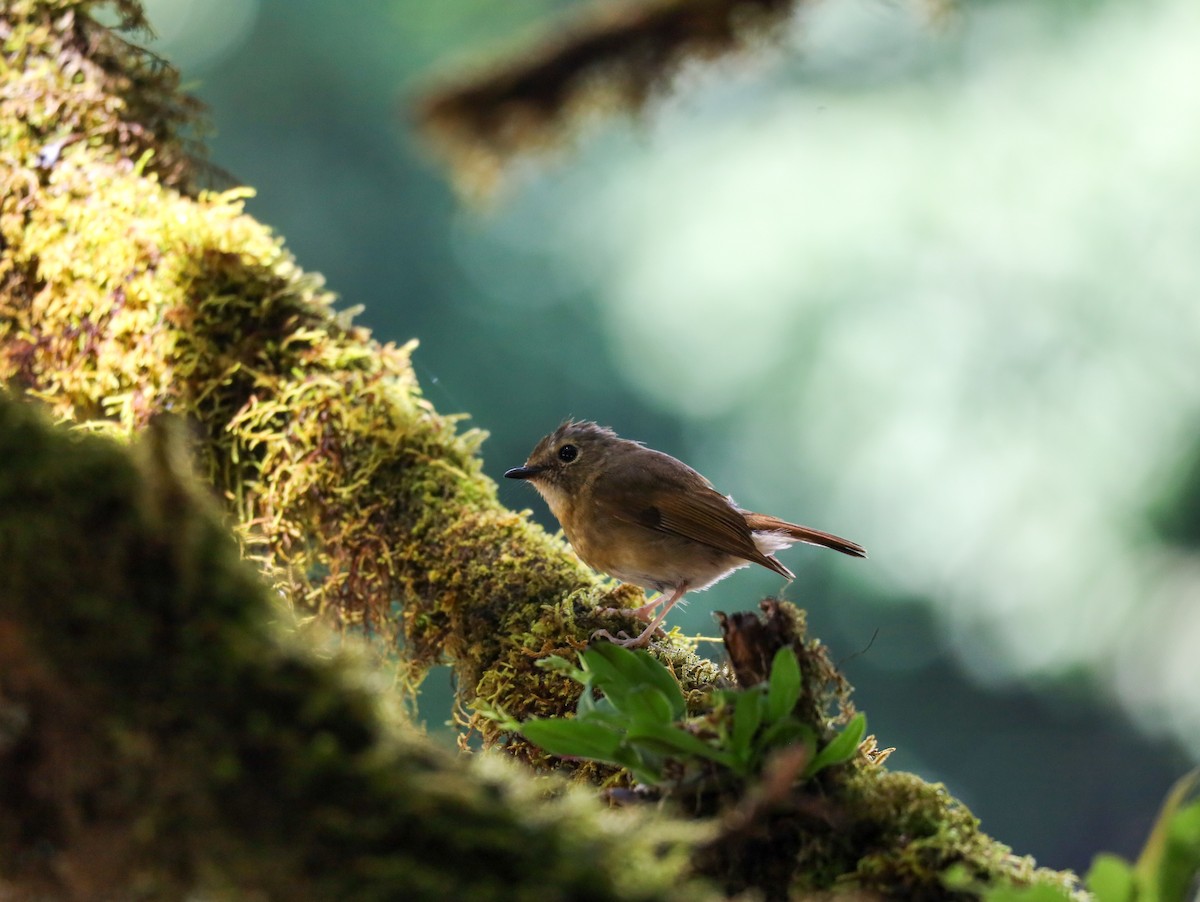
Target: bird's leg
643	613
643	638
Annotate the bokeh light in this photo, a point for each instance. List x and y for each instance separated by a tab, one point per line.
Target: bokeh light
197	34
957	306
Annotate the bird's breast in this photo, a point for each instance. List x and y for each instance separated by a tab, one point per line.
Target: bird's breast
646	557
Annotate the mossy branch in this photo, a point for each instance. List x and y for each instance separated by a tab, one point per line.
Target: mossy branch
139	651
123	295
164	734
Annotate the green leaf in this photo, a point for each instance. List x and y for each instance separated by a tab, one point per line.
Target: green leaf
613	720
646	703
599	737
574	738
611	681
1181	860
604	705
784	684
606	675
1163	866
644	773
1111	879
788	731
633	684
587	699
747	715
674	740
841	748
634	667
660	676
1185	826
589	705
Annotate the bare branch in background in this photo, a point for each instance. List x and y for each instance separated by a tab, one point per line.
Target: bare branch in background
614	57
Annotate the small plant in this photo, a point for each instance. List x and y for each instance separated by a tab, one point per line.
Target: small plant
1168	870
639	721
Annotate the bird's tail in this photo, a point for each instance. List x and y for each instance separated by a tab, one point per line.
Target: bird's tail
797	533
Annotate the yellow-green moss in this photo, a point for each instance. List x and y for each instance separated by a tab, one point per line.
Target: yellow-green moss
861	829
122	296
164	738
904	833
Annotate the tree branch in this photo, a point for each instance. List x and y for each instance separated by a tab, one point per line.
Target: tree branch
152	722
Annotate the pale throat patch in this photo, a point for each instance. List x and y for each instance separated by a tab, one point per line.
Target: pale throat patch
555	497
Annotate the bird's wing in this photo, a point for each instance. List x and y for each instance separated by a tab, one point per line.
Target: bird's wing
681	502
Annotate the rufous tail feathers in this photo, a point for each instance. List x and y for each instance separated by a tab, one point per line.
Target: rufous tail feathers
767	523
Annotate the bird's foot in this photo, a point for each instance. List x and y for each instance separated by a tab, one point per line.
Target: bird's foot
645	613
622	638
643	638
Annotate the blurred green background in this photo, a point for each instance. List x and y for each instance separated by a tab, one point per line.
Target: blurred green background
931	285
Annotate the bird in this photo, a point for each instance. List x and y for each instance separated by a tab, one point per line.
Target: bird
646	518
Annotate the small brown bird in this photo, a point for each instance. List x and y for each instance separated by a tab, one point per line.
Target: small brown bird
651	520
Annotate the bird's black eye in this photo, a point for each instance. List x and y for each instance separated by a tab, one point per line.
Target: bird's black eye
568	453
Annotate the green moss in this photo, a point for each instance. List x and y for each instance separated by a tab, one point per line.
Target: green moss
864	830
167	734
908	833
854	827
158	731
122	296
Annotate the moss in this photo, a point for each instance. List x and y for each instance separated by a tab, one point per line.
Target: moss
864	830
167	735
123	295
121	101
909	833
855	827
159	731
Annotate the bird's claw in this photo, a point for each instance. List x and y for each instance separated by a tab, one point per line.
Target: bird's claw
605	634
624	639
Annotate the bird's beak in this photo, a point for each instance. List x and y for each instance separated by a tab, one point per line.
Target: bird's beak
525	472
